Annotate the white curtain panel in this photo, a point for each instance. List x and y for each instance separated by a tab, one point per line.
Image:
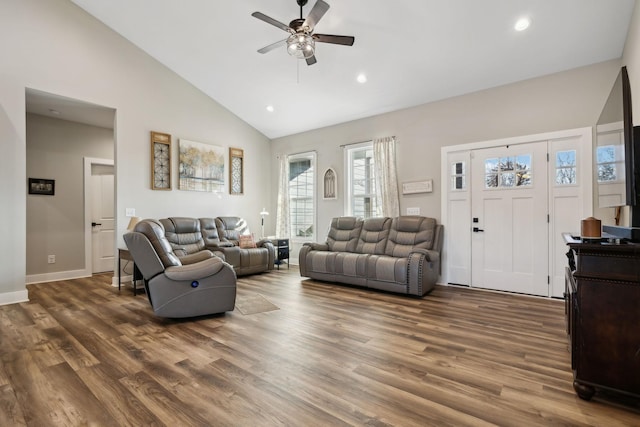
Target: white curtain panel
282	212
384	160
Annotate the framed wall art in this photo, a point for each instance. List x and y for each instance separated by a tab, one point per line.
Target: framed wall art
160	161
46	187
330	185
416	187
201	167
236	171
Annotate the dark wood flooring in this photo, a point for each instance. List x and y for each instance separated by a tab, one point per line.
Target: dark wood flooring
83	353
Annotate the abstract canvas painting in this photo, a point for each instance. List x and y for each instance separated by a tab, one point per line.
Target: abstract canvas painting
201	167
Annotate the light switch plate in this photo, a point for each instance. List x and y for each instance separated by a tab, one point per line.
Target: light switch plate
413	211
130	212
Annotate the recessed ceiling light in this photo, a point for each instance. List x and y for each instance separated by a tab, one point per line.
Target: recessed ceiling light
522	24
362	78
270	108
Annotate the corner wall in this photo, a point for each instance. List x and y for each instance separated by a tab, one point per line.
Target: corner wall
54	46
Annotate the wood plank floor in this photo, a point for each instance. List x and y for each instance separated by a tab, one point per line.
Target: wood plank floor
82	353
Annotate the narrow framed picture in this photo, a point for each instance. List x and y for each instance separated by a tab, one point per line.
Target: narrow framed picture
46	187
236	171
330	185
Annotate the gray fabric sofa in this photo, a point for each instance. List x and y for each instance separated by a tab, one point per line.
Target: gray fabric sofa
399	254
180	287
190	236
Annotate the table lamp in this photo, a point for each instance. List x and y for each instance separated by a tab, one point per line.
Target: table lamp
263	214
132	223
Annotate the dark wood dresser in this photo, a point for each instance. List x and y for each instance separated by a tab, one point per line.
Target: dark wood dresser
603	316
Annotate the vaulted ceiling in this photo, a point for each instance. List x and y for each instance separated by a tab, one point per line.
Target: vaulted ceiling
411	51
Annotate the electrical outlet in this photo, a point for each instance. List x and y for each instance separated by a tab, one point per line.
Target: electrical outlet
51	259
130	212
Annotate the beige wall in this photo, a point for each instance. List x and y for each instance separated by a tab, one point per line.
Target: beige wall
566	100
55	224
55	47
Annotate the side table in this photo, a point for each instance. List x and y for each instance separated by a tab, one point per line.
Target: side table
282	251
124	254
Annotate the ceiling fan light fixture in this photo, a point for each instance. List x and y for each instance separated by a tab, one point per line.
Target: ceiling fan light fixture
301	45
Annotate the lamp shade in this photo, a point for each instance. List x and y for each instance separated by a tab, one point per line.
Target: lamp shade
132	223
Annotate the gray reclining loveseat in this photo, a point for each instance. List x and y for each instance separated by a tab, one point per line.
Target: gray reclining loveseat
399	254
190	236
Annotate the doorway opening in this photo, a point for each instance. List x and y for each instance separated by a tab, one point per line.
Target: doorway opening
61	133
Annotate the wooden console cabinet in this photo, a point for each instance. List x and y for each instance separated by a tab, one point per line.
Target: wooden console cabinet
603	317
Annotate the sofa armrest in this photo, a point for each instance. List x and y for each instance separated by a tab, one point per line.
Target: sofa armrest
424	269
304	251
429	254
316	246
195	271
267	243
264	243
196	257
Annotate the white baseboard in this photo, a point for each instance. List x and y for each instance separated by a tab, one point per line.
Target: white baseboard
125	280
14	297
59	275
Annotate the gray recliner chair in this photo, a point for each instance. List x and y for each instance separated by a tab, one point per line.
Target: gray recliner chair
176	288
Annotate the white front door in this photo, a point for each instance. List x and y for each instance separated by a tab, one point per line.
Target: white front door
509	239
102	218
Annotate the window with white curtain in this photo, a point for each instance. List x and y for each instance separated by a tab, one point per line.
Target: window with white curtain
361	192
302	190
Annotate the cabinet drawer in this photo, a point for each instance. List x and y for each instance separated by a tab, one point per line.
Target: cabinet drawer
283	253
281	243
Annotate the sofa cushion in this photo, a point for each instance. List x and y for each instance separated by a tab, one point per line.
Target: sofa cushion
210	233
154	231
350	264
183	234
373	237
230	228
408	233
384	268
246	241
344	233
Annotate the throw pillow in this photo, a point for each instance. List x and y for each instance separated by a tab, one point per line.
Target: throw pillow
247	241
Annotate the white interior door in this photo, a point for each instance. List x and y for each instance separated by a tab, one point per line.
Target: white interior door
102	218
509	239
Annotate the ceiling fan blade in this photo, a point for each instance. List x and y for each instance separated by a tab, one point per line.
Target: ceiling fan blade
317	12
311	60
330	38
269	20
272	46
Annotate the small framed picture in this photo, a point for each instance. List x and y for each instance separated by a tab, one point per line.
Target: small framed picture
46	187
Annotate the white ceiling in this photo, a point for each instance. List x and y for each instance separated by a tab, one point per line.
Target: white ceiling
412	51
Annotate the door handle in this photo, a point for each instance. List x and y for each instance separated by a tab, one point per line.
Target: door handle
93	224
477	230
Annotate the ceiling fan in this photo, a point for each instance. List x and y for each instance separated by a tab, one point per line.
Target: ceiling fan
301	41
